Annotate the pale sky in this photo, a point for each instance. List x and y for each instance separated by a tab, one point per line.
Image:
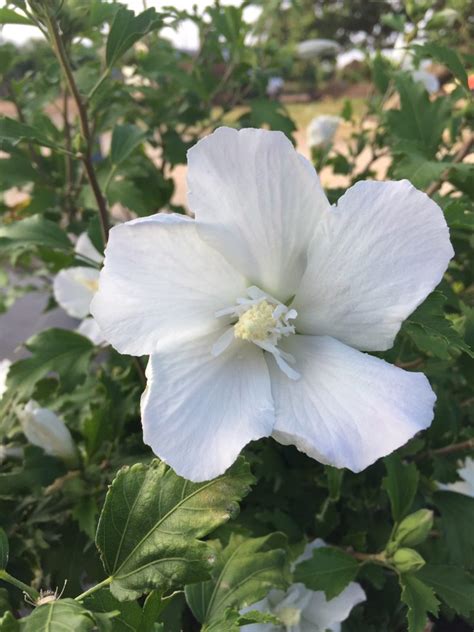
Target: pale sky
185	37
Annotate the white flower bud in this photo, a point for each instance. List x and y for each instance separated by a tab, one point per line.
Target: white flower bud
313	48
46	430
322	129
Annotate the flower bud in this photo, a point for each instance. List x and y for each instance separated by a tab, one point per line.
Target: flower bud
46	430
407	560
415	528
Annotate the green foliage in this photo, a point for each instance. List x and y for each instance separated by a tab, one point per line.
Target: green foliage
452	584
457	516
125	139
36	231
66	614
12	131
244	571
3	550
330	570
155	545
400	484
126	29
420	600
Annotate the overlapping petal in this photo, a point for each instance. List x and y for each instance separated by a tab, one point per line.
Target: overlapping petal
74	289
161	280
373	260
349	408
199	411
260	202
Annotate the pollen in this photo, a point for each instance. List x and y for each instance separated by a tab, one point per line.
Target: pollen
256	323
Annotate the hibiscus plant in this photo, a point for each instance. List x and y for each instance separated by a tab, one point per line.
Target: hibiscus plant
257	411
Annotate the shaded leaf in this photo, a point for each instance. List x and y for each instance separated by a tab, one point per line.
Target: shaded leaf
125	139
127	28
64	615
420	600
37	231
329	570
8	16
400	484
130	613
457	518
452	584
4	550
148	529
13	131
446	56
243	574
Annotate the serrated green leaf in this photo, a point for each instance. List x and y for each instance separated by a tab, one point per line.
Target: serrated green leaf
4	550
420	600
127	28
8	623
400	484
329	570
150	521
446	56
125	139
8	16
64	615
457	518
420	171
244	573
13	131
431	332
52	351
35	230
130	613
452	584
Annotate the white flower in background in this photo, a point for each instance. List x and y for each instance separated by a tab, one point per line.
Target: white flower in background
43	428
256	313
466	485
10	452
303	610
314	48
4	368
274	86
428	79
322	129
75	287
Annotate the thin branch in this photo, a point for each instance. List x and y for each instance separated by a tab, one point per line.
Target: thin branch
449	449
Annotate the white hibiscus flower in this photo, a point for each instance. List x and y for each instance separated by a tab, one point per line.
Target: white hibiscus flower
322	129
43	428
256	314
4	368
75	287
466	484
428	79
314	48
302	610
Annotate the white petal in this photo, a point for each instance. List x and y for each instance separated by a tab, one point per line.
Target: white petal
261	201
161	280
348	409
85	248
199	411
90	329
74	289
4	369
374	259
324	615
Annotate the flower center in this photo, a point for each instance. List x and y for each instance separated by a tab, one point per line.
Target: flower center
256	323
262	320
91	284
289	616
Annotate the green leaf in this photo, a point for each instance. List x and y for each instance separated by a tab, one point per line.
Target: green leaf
125	139
452	584
150	521
458	216
8	16
457	518
37	470
431	332
8	623
4	550
381	68
64	615
446	56
420	600
330	570
53	351
127	28
400	484
37	231
16	170
418	120
420	171
130	613
13	131
244	573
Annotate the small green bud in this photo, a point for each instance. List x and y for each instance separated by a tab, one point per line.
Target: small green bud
414	529
407	561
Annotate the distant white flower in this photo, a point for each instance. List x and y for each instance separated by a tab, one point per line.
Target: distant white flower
43	428
75	287
255	314
466	485
303	610
4	368
10	452
275	86
314	48
322	129
428	79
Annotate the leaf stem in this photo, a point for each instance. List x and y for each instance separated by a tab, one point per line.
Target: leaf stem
449	449
94	589
32	592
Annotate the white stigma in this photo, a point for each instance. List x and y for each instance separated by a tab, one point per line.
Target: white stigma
262	320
